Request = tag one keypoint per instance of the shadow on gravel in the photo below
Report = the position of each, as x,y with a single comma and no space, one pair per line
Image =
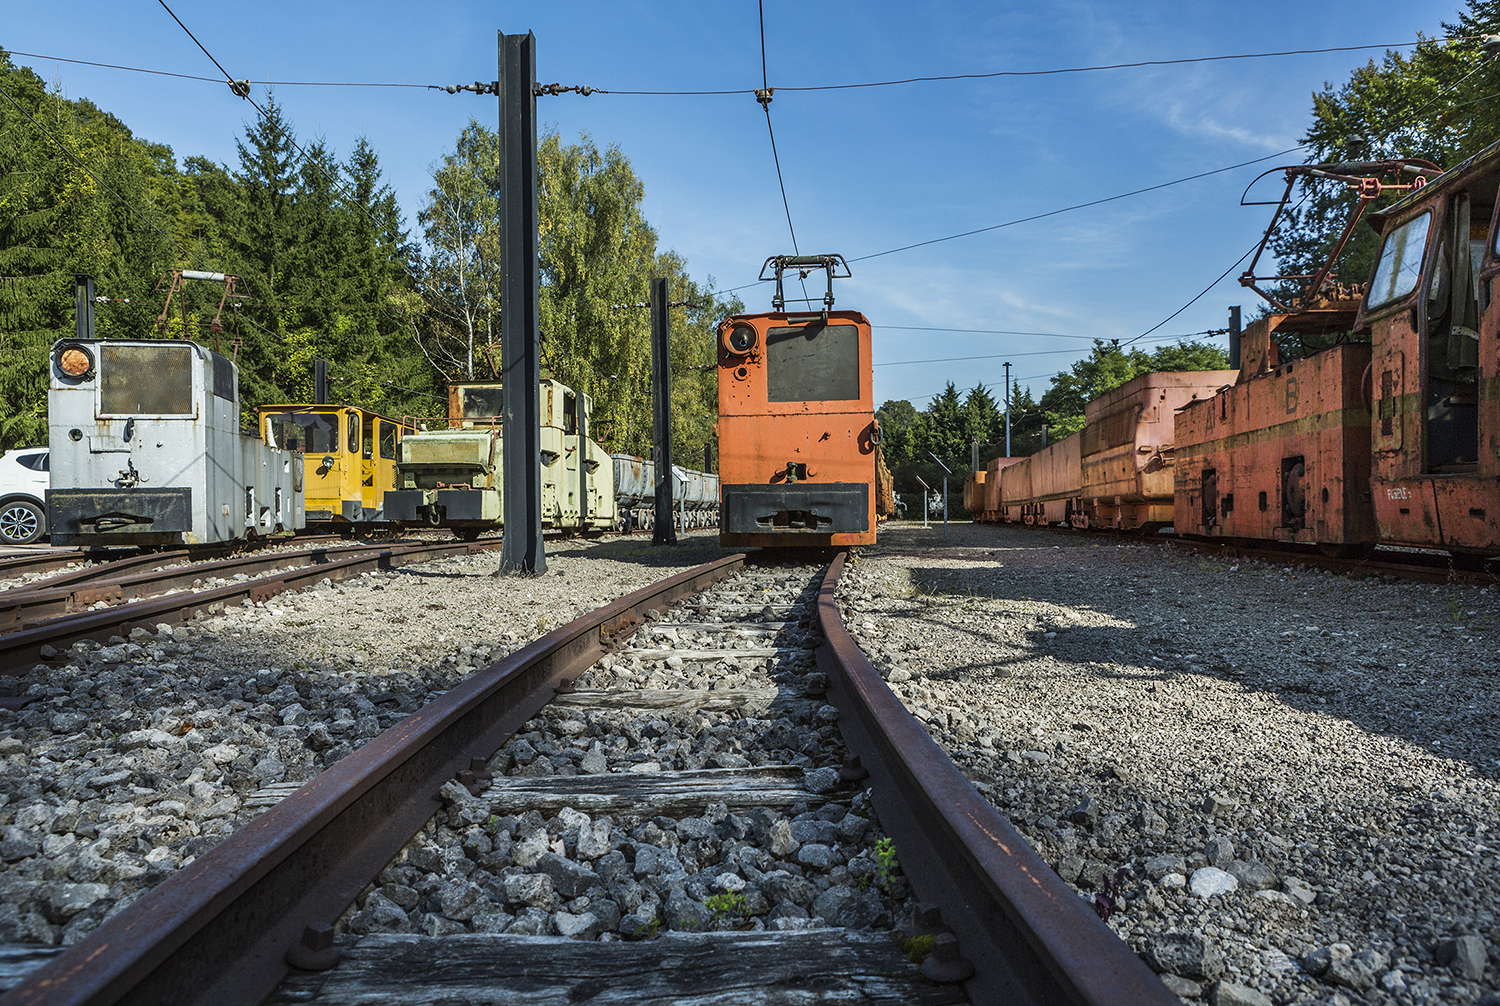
1262,635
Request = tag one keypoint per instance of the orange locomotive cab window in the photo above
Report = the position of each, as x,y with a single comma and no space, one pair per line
817,362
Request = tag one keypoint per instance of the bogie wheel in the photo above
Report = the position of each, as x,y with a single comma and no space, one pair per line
21,522
468,533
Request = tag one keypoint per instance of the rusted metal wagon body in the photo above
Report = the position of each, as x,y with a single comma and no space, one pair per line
797,433
1284,454
992,474
1435,373
974,493
1127,449
1056,483
1015,492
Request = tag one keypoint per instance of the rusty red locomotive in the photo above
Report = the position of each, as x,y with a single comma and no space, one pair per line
1357,415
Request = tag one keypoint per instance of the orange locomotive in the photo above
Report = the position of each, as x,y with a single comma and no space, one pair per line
1390,436
798,441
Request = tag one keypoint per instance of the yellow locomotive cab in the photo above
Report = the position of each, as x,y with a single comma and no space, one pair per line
348,458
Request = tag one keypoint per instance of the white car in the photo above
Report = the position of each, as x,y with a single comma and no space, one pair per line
23,495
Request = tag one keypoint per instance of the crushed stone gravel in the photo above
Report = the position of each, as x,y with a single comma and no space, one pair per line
1288,777
140,755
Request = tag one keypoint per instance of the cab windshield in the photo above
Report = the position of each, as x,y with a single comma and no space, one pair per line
309,432
1400,261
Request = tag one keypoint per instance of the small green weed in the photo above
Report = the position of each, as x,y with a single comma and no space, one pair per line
887,863
725,904
917,948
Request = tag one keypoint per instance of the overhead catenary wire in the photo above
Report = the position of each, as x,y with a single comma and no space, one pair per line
764,97
244,92
741,90
1039,73
1039,352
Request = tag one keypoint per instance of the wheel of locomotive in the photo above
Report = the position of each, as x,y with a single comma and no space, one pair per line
468,533
21,522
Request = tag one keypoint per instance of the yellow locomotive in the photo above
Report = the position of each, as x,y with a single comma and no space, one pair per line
349,457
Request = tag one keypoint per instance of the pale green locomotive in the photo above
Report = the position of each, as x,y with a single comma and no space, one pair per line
452,477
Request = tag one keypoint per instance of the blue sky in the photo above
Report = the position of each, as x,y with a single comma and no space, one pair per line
866,170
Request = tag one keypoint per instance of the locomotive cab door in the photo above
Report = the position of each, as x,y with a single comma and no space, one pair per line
1450,340
1434,382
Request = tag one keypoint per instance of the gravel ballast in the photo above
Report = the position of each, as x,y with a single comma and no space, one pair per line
140,755
1280,783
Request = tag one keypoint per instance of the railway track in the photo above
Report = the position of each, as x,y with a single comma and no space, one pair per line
104,563
717,655
92,603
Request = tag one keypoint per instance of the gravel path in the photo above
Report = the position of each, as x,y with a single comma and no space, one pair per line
1281,782
143,754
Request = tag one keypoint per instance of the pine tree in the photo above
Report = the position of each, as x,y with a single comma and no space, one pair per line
262,245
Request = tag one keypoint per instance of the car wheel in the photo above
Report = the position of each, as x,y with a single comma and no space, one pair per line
21,522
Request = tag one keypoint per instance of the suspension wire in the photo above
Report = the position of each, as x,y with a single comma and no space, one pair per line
1308,193
812,87
764,97
97,180
1079,206
996,331
1196,297
1049,72
195,40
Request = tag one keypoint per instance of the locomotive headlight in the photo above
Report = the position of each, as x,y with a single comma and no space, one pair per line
75,361
740,340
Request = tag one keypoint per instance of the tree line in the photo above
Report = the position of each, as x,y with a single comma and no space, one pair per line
328,268
953,423
1436,103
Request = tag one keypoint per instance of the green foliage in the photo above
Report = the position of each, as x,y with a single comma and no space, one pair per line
597,255
886,863
897,439
952,422
1106,368
917,948
58,220
1434,103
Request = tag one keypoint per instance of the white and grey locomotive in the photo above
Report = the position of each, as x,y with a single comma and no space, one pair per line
147,450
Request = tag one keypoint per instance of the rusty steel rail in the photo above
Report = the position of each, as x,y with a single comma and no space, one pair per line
20,649
1032,940
67,593
218,931
104,565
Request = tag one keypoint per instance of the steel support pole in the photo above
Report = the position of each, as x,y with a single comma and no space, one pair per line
1007,410
320,382
1234,337
83,315
661,408
581,427
945,508
521,551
